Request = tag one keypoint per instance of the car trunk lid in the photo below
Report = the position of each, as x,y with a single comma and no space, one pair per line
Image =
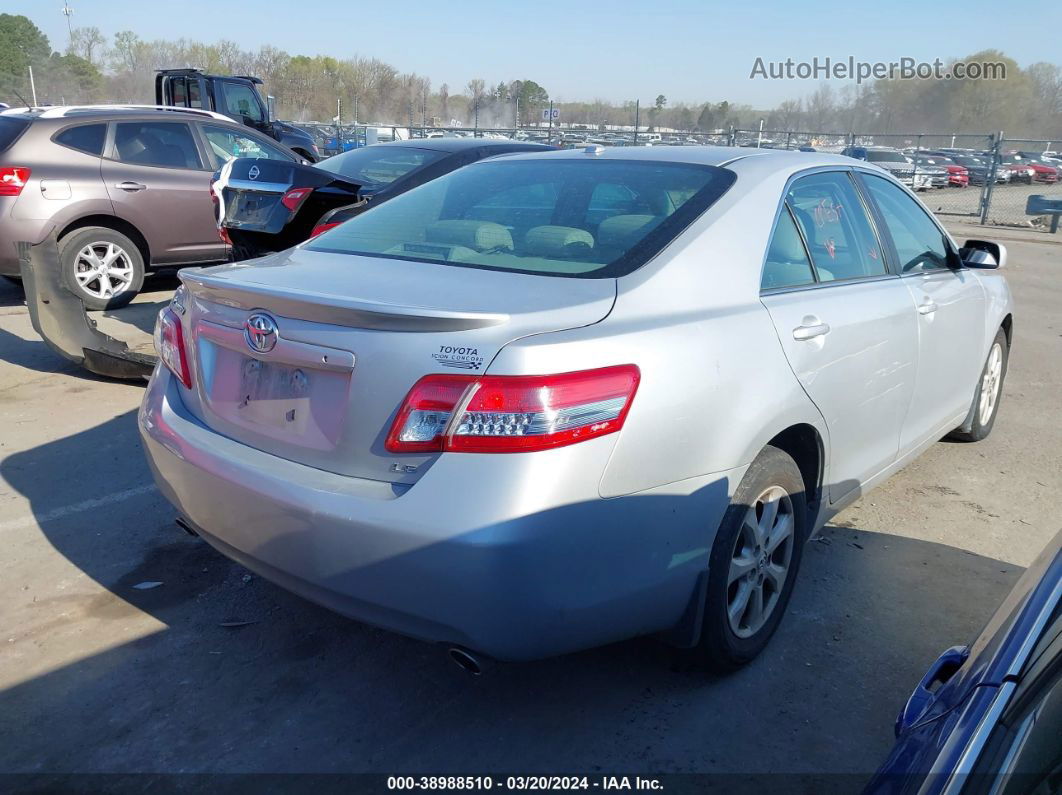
257,216
353,334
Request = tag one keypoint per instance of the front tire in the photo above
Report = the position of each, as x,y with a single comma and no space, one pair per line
988,392
102,267
754,562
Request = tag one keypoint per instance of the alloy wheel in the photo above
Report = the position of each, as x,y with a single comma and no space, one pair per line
760,561
990,383
103,270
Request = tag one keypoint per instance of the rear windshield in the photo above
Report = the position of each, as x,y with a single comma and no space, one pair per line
377,166
876,156
552,216
10,129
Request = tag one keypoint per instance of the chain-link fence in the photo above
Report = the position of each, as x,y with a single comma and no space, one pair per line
993,180
1027,191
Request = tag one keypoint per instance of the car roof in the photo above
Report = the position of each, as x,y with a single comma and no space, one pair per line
459,144
694,155
110,111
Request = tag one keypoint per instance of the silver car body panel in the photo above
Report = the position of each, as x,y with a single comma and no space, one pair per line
528,554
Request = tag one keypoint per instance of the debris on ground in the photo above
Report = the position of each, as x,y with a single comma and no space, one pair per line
147,586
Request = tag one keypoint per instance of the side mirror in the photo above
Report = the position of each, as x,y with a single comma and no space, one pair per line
983,254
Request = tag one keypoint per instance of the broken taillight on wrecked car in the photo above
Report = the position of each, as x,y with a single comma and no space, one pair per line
169,343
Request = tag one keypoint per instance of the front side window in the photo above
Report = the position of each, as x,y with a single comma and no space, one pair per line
918,241
836,227
241,101
532,216
787,263
156,143
226,144
87,138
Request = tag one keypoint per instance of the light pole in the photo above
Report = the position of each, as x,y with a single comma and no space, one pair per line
68,12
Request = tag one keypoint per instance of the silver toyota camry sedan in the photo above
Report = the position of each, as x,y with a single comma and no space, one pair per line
554,400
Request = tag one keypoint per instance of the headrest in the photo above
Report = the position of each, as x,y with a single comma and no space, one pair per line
558,242
625,230
476,235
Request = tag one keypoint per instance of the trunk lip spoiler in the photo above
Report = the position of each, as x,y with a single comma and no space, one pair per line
333,309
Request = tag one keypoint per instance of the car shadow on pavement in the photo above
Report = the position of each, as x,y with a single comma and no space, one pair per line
218,670
11,294
34,354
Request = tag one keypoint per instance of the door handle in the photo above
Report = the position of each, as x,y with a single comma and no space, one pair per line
132,187
927,307
810,332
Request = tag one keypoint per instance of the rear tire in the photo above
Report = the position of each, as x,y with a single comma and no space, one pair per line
102,267
753,563
988,392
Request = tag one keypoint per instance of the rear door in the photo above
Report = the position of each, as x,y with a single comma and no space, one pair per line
159,182
846,323
950,306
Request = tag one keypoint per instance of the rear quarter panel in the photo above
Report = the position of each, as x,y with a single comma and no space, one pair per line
64,184
715,384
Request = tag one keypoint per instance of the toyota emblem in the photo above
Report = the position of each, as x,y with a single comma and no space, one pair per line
253,172
261,332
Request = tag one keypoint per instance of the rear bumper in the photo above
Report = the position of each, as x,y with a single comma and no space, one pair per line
474,554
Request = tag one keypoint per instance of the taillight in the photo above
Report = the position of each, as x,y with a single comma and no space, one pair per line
13,179
169,343
294,197
511,414
323,228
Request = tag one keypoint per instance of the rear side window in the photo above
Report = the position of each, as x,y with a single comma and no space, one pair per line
10,129
787,263
836,227
87,138
155,143
534,216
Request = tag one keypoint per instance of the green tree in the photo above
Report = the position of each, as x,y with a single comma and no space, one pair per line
67,79
21,45
533,98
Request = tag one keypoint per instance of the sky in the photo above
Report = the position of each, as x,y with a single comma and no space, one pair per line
614,50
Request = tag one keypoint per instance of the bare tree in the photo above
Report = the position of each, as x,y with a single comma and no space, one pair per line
87,43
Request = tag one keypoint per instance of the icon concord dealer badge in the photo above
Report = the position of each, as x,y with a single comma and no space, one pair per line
253,172
261,333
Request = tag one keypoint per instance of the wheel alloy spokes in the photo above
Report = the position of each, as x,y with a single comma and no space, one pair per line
990,384
106,266
760,561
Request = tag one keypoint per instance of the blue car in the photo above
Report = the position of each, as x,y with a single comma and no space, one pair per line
987,718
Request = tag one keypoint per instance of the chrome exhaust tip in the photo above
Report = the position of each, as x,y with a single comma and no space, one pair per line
467,661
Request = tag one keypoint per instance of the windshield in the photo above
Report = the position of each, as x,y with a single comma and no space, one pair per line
876,156
968,161
555,216
378,165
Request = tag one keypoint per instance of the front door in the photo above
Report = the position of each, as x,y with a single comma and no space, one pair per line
950,304
157,181
846,324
